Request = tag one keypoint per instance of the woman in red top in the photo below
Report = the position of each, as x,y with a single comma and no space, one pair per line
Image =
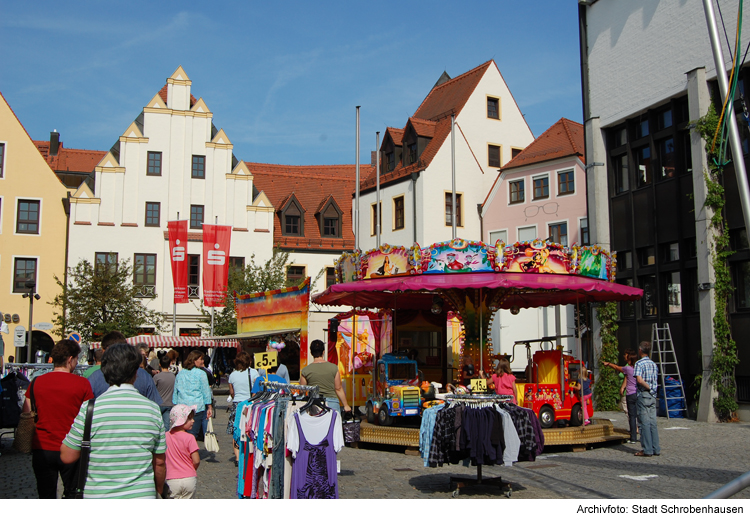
504,380
58,395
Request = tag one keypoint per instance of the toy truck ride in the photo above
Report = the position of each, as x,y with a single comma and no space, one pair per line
397,392
551,375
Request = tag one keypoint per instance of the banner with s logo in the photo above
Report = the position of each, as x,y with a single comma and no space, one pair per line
216,240
178,258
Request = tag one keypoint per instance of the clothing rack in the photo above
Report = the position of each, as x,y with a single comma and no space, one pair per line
312,391
460,481
16,366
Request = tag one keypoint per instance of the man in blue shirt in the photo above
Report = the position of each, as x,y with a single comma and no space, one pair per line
646,377
144,383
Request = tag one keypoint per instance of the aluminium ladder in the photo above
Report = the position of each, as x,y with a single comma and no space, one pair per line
663,354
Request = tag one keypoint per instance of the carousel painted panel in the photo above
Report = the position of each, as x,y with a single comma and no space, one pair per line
386,261
537,256
348,268
593,262
457,256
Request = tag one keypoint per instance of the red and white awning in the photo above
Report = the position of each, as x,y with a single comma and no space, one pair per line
168,341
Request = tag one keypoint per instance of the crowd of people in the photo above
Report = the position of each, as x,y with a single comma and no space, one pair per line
148,416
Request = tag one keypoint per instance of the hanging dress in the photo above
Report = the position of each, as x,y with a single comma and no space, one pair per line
314,473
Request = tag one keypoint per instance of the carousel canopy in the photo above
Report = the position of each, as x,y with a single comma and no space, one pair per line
522,289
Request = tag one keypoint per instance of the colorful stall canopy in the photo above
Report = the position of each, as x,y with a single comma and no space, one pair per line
523,290
159,341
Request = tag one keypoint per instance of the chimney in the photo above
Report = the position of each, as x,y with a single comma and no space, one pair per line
373,157
54,142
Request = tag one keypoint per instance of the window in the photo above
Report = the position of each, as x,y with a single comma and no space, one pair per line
23,269
565,183
624,261
199,167
449,209
389,162
641,127
196,216
493,156
330,276
516,191
493,108
515,151
622,178
294,274
742,283
398,213
643,164
497,236
153,214
2,159
541,187
664,120
412,153
559,233
194,275
237,263
526,234
666,158
292,219
620,136
28,217
144,274
331,222
627,309
671,252
584,238
673,294
105,263
648,302
190,332
646,256
154,164
373,224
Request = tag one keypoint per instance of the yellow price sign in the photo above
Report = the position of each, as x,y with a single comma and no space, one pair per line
479,385
266,360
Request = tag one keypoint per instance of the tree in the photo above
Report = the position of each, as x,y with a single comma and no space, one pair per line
607,387
101,299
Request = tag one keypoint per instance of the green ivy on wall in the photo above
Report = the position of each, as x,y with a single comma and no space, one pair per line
724,360
607,386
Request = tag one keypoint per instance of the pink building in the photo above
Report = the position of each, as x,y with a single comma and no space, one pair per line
541,192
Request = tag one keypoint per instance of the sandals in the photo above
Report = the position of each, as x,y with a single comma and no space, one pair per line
641,453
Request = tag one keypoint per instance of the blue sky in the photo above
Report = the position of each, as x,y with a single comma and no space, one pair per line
281,78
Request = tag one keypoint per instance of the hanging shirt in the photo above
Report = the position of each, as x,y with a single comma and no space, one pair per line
512,443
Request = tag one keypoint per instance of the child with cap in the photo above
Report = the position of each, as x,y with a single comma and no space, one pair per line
182,453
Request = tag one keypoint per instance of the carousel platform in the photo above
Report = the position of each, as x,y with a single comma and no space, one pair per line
599,431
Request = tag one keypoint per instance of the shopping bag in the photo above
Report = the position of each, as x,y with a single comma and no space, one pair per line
351,430
209,440
25,433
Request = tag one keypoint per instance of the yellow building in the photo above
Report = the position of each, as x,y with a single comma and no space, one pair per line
33,225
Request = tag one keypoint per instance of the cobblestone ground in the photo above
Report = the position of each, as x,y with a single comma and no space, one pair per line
697,458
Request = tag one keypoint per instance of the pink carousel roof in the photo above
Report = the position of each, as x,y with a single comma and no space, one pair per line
523,290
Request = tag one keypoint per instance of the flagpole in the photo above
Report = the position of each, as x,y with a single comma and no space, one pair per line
174,304
356,189
377,190
216,222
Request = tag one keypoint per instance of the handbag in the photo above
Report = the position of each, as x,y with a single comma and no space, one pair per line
83,464
22,441
209,439
351,430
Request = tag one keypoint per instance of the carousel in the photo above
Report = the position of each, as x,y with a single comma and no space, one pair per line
471,281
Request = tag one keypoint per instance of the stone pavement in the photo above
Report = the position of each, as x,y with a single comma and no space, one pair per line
697,458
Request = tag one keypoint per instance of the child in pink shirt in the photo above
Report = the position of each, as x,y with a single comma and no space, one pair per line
504,380
182,453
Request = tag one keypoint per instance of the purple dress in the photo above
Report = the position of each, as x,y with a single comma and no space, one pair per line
314,471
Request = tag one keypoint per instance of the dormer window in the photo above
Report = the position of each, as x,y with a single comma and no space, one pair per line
330,218
413,153
292,218
389,162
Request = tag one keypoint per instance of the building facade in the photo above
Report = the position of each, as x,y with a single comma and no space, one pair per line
648,71
170,163
33,224
540,193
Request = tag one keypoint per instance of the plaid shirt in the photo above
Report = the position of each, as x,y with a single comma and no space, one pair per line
646,369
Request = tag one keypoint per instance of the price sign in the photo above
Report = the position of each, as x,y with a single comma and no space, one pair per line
479,385
266,360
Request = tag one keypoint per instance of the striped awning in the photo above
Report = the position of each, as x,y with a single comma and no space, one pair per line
168,341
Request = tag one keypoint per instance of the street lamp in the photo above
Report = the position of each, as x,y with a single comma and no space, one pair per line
31,295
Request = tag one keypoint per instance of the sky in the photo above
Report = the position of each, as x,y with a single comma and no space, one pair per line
282,78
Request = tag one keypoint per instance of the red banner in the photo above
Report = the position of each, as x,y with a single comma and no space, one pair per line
216,240
178,258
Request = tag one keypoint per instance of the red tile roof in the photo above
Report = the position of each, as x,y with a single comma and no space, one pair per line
562,139
311,186
163,95
397,134
70,159
432,119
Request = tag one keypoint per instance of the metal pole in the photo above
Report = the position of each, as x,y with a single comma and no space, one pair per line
731,488
481,326
30,352
356,188
453,175
174,304
216,222
734,137
377,189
